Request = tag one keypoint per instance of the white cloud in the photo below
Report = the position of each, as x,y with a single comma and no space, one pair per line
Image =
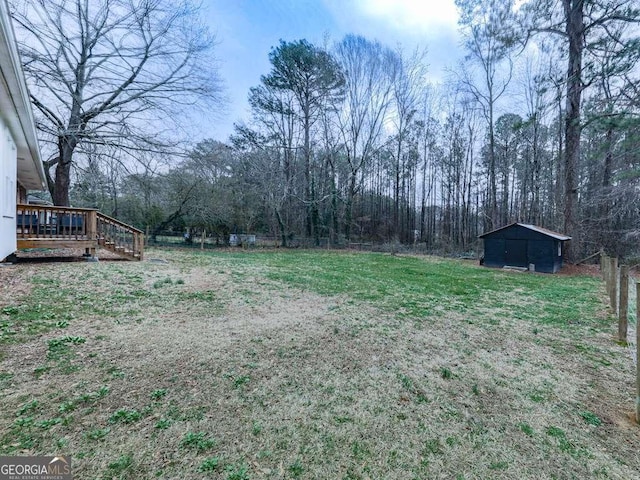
407,23
412,16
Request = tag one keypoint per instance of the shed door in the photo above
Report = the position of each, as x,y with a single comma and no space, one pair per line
516,253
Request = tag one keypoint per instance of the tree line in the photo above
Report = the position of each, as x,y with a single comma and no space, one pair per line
349,141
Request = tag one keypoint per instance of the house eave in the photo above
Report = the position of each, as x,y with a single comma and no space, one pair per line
15,107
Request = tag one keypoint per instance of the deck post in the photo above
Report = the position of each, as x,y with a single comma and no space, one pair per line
92,231
136,242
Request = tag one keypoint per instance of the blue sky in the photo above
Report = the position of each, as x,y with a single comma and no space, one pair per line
247,29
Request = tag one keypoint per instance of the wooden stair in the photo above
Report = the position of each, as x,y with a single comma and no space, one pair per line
119,238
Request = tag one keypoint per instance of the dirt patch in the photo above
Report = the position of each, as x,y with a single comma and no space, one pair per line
14,284
42,255
569,269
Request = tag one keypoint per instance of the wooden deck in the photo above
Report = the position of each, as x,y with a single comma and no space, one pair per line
41,226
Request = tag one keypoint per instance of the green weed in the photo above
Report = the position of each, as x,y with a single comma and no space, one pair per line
197,441
237,472
119,468
47,424
209,465
5,379
158,394
433,447
31,406
406,381
241,380
93,396
526,429
256,428
125,416
162,283
296,469
498,465
163,424
591,418
59,347
115,372
97,433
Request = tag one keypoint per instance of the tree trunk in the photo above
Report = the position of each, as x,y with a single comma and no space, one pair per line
334,206
351,193
307,172
575,32
283,235
62,182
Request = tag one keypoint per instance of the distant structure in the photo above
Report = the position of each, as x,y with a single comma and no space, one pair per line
524,246
238,240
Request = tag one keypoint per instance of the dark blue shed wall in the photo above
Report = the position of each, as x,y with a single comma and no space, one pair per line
494,253
505,247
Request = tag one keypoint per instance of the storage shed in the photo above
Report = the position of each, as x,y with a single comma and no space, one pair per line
522,245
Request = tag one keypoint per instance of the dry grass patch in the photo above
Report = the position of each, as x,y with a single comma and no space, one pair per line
313,365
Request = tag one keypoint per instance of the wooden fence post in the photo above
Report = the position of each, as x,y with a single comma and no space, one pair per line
624,303
638,352
613,284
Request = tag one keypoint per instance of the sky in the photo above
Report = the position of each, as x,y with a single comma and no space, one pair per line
246,30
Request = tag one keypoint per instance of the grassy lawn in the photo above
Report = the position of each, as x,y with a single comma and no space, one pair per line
318,365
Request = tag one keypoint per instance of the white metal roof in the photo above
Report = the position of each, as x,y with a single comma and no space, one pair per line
556,235
544,231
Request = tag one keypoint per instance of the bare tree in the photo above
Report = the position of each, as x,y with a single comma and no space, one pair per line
271,146
369,70
489,40
98,68
408,90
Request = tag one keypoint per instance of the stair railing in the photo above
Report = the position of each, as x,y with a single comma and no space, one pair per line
119,237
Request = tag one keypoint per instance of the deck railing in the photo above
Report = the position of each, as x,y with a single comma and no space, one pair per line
52,226
35,222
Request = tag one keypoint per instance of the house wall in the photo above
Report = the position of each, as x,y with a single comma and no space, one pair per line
8,182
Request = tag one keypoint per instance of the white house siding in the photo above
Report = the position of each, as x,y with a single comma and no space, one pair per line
20,165
8,172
